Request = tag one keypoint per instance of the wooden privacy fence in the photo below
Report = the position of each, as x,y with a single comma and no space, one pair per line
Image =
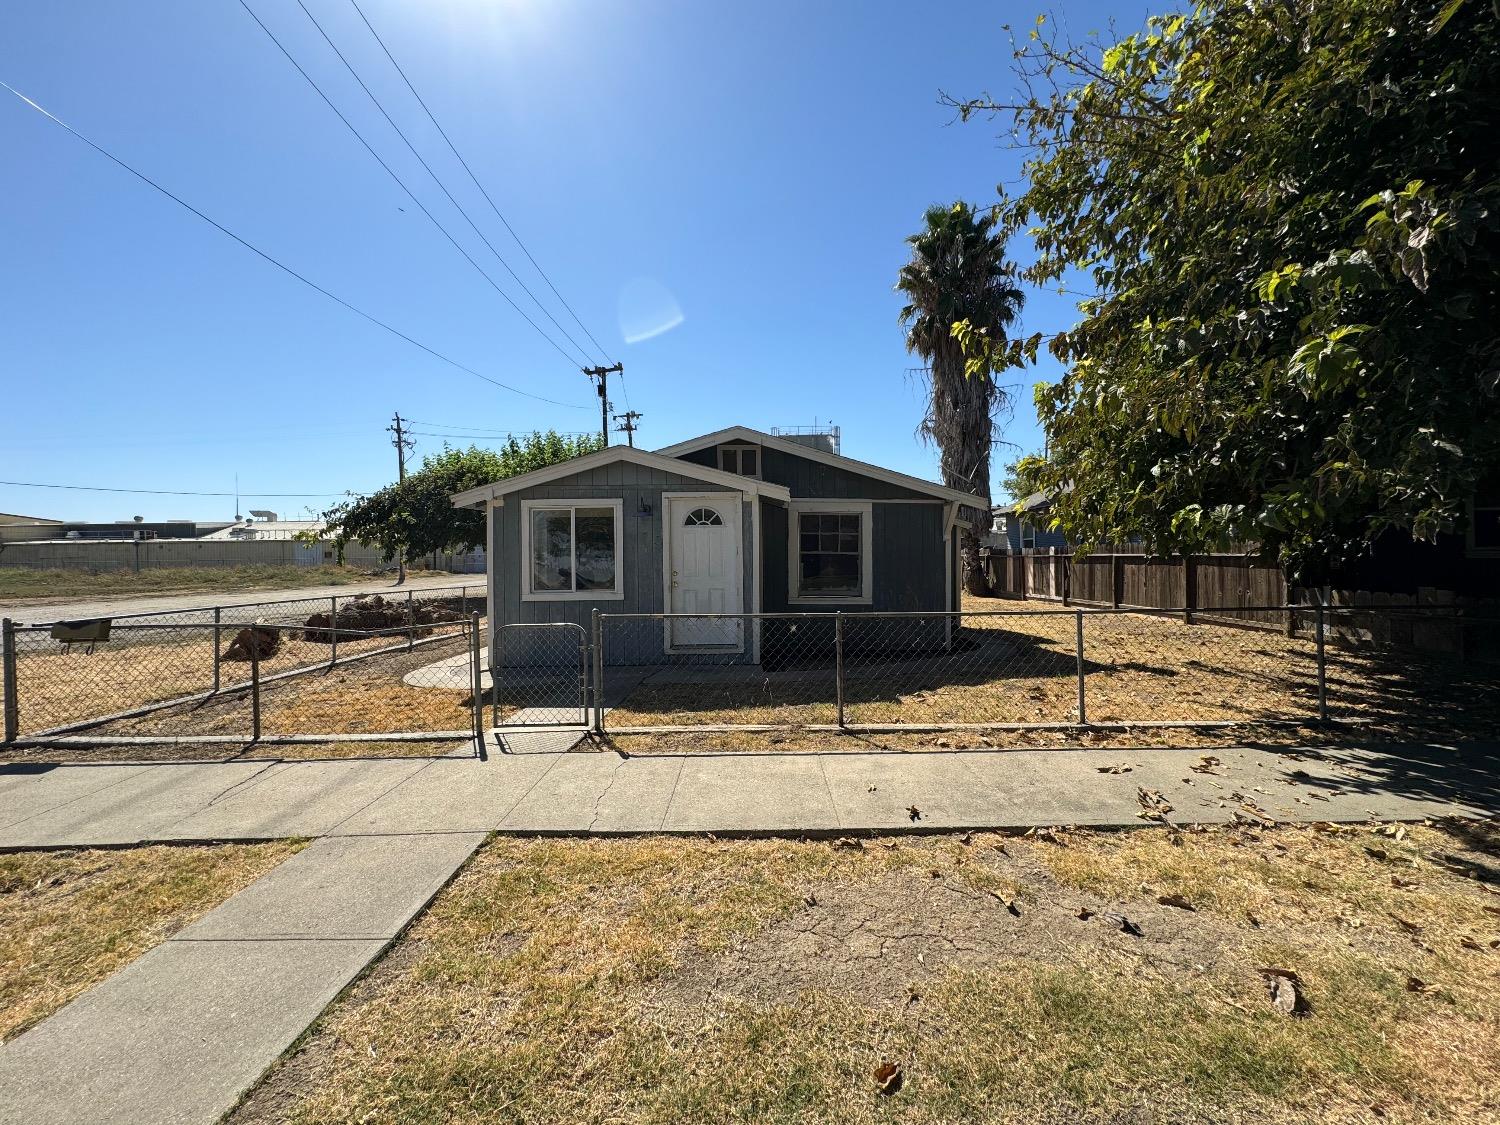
1211,586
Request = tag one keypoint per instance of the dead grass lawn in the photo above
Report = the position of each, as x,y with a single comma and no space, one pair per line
672,980
1138,668
69,919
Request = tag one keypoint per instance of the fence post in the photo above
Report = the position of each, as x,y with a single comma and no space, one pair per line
333,625
10,680
477,684
495,657
1189,588
1116,578
254,688
1322,669
838,665
598,639
411,623
218,643
1083,714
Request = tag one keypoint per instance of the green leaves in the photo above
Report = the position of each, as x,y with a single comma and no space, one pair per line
415,518
1289,215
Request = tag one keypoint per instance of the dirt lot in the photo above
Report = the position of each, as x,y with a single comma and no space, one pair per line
69,919
1059,977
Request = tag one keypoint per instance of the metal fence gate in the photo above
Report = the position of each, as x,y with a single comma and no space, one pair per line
540,675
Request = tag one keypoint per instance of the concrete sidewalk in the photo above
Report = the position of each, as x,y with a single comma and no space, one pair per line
181,1033
82,805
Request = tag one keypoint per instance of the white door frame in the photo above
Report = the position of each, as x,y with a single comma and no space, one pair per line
668,524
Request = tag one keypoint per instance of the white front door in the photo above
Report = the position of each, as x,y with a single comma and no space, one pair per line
704,572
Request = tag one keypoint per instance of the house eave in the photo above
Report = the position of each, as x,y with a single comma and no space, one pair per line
487,494
838,460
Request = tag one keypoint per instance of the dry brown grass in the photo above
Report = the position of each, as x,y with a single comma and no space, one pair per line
669,980
70,919
1138,668
139,667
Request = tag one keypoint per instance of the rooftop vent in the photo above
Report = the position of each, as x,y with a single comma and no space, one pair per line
825,437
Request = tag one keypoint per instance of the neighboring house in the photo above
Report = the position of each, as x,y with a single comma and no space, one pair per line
1022,526
736,521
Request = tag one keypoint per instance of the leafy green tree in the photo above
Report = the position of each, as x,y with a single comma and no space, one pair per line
1023,476
415,517
1289,215
959,272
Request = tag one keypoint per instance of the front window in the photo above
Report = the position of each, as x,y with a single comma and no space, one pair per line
830,554
571,549
1028,534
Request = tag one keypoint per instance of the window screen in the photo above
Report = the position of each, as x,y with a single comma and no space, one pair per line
829,554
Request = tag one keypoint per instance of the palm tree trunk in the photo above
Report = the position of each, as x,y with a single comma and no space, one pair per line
961,422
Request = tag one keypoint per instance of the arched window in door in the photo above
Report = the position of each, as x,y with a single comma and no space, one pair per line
703,517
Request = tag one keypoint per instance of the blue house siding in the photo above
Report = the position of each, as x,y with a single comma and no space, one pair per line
638,554
806,477
906,568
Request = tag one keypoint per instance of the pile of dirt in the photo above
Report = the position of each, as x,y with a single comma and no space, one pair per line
254,643
373,612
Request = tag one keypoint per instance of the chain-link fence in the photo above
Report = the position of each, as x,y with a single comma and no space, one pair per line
417,667
1042,667
356,667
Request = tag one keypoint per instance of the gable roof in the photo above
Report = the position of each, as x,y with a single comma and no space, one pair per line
796,449
475,497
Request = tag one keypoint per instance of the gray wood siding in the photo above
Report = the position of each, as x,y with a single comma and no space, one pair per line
639,551
907,570
806,477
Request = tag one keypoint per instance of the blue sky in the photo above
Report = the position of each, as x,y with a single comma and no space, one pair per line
754,167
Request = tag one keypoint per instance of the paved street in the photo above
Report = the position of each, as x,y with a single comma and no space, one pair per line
76,609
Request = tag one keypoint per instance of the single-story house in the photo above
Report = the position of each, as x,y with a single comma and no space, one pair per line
1023,526
733,522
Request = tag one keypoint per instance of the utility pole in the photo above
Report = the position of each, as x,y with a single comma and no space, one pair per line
630,424
402,444
603,374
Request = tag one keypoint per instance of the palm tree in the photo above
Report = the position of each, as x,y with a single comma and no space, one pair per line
958,271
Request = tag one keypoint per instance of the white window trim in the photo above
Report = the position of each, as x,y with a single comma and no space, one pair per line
863,508
614,595
740,446
1471,549
1027,531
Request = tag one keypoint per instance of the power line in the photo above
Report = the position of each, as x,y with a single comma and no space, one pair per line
459,156
402,185
172,492
497,437
278,264
436,179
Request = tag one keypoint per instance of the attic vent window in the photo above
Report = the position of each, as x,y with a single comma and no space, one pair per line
703,517
743,460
